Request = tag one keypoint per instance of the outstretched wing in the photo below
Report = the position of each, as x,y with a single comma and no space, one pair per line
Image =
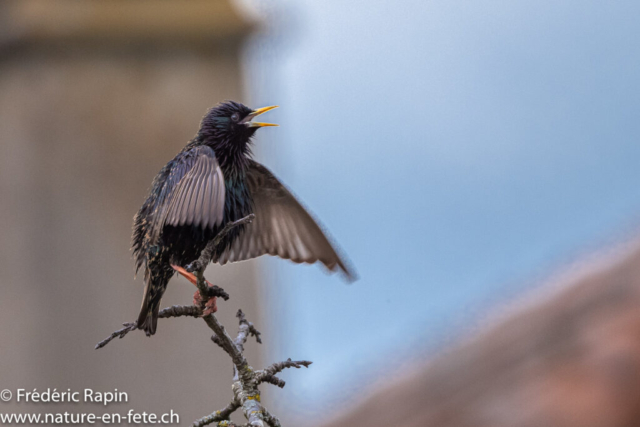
194,193
281,227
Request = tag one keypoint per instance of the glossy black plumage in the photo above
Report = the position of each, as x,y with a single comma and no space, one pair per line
210,182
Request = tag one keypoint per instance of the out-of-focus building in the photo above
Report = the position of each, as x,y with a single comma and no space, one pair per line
95,97
570,359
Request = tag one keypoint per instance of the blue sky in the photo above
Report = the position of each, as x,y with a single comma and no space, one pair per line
458,152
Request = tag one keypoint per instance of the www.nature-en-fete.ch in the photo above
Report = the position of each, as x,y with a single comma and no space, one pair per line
87,396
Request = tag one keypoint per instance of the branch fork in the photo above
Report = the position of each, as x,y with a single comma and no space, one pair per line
246,395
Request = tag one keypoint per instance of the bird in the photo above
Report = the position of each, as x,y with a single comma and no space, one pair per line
210,183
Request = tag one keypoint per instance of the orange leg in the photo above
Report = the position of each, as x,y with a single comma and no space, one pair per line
210,306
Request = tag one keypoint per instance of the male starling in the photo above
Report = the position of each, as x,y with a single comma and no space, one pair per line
211,182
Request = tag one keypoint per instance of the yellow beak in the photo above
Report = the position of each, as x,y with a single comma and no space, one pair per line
256,113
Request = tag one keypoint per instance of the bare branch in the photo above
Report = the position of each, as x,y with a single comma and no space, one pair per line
206,256
218,416
273,380
245,386
173,311
268,374
246,381
216,340
179,311
120,333
215,291
225,341
246,329
270,419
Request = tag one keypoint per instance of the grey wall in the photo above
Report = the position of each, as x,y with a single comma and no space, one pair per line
85,124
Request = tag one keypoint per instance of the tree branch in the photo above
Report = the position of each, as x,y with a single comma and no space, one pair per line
268,374
218,416
246,380
246,329
207,255
173,311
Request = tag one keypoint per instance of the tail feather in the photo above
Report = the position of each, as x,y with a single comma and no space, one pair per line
153,291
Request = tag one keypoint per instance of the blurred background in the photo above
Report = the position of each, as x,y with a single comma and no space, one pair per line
461,154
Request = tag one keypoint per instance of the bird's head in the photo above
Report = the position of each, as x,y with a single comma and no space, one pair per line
229,126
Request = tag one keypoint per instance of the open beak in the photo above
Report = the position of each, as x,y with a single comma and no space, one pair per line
247,120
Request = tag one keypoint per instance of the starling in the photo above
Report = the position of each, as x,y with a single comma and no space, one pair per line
211,182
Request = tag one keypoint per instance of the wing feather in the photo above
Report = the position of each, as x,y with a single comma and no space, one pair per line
282,227
200,183
198,196
206,201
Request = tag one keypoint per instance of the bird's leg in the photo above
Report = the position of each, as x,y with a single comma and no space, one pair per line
205,296
206,303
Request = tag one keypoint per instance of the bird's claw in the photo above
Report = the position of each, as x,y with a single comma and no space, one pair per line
208,305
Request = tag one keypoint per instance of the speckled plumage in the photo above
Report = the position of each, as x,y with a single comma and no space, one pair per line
208,183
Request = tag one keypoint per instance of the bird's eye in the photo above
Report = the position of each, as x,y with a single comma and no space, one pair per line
235,117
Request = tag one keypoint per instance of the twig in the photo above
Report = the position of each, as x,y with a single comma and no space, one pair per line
120,333
225,341
206,256
217,416
215,291
246,329
268,374
173,311
276,381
